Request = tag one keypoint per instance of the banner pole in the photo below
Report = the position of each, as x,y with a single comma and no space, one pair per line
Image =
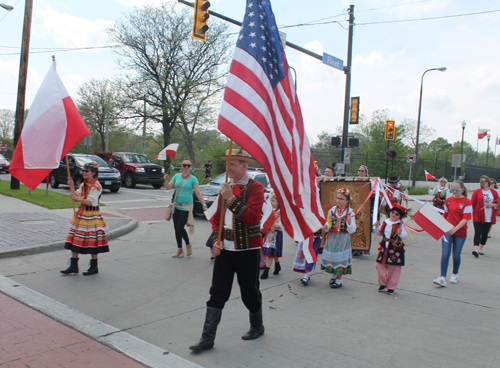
72,186
223,204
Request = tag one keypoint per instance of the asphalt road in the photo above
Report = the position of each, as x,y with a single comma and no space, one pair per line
141,290
142,196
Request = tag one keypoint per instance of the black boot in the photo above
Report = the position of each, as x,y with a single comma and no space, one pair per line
212,320
93,268
256,326
73,267
265,274
277,268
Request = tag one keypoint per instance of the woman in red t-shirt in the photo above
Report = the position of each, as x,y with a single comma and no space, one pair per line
457,211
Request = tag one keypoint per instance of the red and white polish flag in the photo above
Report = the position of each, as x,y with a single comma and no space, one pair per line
53,127
431,221
170,151
429,176
481,133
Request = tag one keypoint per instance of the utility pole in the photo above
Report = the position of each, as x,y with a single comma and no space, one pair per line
347,71
144,129
23,76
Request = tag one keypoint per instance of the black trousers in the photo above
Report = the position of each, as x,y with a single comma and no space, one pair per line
245,264
481,232
180,218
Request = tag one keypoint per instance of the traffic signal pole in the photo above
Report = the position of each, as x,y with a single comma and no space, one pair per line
347,71
238,23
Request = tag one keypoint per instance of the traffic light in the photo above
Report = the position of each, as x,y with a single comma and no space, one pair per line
354,110
392,154
390,130
336,141
353,142
200,19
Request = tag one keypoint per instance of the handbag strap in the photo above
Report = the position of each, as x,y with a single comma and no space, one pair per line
178,190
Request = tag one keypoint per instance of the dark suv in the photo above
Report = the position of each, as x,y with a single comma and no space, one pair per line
137,168
109,177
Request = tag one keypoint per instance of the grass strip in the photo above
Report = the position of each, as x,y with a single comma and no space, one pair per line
52,200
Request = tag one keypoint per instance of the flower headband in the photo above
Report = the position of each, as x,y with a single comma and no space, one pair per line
93,165
344,191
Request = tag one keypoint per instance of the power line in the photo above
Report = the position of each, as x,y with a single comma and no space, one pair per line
390,6
430,18
49,50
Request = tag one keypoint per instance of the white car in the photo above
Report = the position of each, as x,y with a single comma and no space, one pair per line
211,191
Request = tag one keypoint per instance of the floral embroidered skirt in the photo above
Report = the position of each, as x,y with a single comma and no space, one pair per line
337,254
273,245
299,263
87,234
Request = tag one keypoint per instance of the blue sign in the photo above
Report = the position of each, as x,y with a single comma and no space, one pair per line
333,61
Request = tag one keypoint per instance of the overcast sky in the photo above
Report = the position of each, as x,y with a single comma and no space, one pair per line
388,58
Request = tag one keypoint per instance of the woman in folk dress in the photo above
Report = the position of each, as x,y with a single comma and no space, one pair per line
337,254
87,234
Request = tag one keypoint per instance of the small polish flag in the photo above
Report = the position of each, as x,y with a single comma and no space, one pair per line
497,141
431,221
429,176
170,151
481,133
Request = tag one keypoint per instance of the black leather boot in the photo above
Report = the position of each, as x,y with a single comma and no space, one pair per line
73,267
277,268
93,268
256,326
212,320
265,274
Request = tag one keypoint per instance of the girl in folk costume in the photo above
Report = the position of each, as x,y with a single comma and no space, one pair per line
300,263
87,233
273,241
340,224
440,193
391,256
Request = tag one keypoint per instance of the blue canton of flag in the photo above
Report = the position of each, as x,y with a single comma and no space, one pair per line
259,37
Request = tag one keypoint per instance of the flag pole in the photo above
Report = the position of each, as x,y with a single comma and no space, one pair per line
477,148
223,205
71,186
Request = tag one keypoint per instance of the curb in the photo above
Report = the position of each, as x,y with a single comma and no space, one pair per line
59,245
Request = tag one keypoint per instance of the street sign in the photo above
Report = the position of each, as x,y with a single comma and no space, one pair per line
347,155
333,61
411,158
3,147
456,160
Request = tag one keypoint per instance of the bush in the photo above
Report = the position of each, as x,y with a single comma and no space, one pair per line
418,191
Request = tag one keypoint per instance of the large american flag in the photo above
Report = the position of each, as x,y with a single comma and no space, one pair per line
261,113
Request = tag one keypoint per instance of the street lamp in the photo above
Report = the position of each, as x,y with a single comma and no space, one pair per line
442,69
462,147
7,7
488,148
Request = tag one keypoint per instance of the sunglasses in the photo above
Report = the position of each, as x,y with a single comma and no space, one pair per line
455,190
186,165
361,171
86,170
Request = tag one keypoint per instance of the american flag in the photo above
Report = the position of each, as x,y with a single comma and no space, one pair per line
261,113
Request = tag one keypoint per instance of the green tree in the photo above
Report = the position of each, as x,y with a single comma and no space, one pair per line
177,76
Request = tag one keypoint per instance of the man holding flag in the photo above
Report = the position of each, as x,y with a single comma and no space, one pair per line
261,113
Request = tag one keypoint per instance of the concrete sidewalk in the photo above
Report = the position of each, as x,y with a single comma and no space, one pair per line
28,338
29,229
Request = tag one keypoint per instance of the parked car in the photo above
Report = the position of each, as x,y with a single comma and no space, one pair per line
136,168
211,190
109,177
4,164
